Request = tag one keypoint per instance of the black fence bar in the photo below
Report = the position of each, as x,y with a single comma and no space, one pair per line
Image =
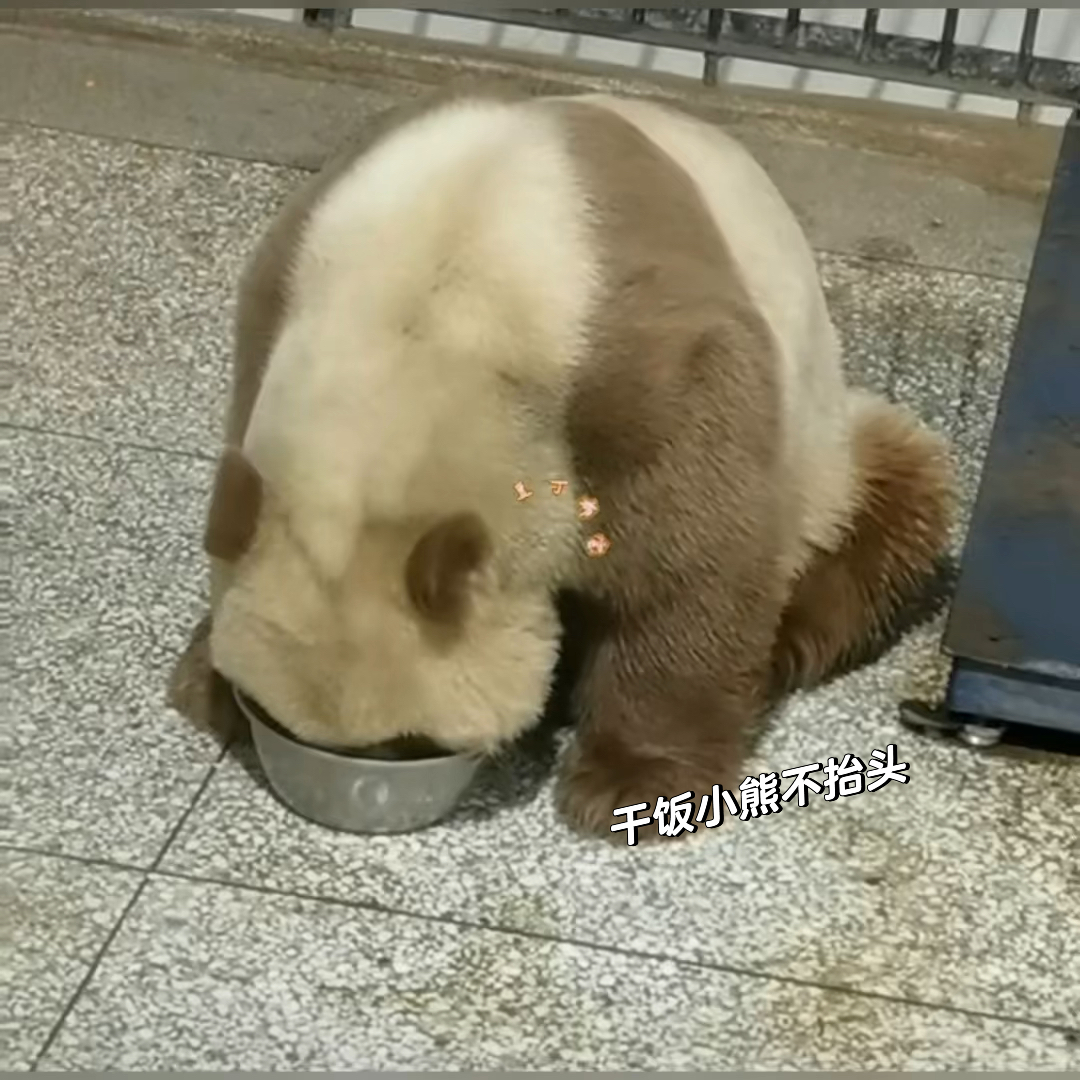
713,28
869,33
940,64
943,60
328,18
791,27
1025,57
975,69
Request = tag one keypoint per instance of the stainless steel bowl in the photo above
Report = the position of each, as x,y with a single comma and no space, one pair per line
352,792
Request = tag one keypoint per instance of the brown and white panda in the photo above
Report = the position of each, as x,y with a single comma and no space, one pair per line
593,290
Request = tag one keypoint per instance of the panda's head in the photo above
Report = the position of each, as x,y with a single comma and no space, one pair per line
416,637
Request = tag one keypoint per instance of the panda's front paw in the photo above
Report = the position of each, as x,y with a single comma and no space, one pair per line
598,781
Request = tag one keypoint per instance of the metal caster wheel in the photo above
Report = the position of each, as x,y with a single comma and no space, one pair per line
919,717
982,736
938,724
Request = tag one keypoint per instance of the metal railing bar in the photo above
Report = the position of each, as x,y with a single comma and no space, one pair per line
1025,57
327,18
999,86
943,59
869,33
1025,60
713,28
791,27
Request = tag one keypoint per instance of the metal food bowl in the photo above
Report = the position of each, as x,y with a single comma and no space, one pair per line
376,791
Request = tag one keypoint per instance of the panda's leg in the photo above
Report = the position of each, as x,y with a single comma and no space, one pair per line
676,675
888,569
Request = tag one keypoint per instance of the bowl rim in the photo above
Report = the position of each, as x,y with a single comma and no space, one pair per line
252,710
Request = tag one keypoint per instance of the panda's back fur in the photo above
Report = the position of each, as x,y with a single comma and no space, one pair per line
440,301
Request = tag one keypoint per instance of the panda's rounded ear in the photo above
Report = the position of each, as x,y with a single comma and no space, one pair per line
439,570
234,507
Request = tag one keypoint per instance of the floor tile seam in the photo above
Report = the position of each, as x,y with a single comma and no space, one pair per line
147,144
930,267
107,441
934,267
104,861
110,937
101,862
88,977
194,877
188,810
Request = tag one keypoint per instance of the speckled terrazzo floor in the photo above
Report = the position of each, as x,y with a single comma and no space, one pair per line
162,910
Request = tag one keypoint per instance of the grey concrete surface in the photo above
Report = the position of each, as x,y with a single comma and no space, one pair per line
62,913
916,891
106,573
164,911
122,306
202,976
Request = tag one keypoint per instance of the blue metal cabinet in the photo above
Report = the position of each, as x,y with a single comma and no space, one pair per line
1014,627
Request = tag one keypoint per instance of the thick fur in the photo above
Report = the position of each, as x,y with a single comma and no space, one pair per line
851,599
589,290
421,369
677,423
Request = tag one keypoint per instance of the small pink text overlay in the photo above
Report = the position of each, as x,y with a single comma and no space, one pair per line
762,795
